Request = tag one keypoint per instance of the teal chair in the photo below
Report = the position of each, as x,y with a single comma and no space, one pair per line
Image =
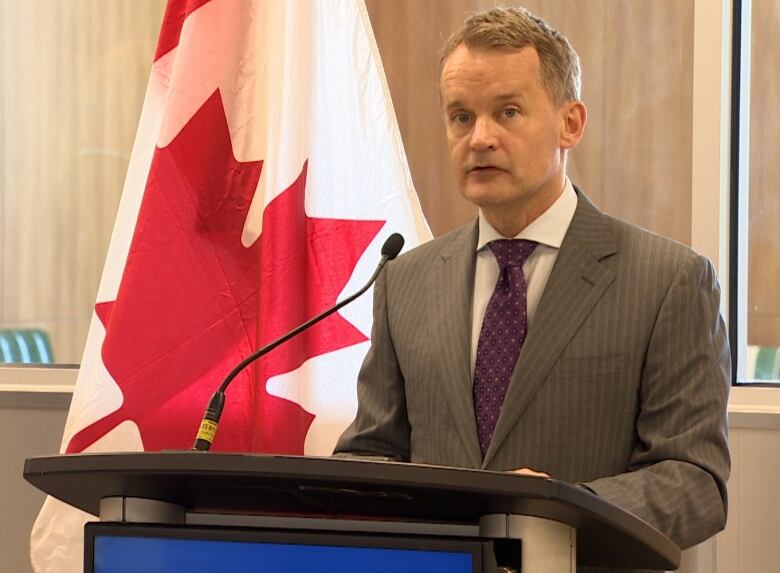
767,363
25,346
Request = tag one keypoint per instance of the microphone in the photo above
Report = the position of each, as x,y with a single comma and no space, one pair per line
208,425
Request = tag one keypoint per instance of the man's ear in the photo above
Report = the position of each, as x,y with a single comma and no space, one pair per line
574,116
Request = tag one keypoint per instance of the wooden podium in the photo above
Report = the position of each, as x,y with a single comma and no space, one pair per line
537,525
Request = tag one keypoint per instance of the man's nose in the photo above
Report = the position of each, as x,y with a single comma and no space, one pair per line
484,136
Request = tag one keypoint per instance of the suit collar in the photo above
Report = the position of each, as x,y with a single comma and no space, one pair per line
591,230
578,280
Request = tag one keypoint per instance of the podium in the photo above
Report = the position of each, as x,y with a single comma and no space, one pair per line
396,510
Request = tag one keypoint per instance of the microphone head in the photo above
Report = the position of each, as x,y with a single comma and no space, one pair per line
392,246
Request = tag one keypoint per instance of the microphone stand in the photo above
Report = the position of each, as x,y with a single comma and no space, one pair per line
208,425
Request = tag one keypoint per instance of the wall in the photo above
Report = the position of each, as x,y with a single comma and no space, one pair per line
73,80
637,59
31,424
749,543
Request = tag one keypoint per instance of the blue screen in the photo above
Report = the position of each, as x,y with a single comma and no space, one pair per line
150,555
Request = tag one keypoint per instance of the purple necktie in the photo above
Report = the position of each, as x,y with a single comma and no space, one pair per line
501,338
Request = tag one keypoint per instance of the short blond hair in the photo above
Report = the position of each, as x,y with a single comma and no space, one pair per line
516,28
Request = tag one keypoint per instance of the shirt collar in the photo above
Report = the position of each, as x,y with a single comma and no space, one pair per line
549,228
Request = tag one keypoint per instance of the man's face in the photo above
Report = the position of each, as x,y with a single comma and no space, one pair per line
503,130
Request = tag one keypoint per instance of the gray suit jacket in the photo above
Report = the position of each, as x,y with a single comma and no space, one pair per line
622,383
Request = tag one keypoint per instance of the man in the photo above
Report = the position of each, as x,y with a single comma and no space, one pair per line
624,373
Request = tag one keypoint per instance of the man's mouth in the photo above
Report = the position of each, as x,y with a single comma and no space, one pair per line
484,169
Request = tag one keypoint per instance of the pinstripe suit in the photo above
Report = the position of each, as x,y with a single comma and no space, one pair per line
622,383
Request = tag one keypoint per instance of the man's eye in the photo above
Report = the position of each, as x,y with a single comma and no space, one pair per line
461,118
511,112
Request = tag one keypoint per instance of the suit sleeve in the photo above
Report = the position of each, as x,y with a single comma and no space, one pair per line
678,470
381,428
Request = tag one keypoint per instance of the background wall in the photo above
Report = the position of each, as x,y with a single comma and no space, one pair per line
31,424
749,543
73,79
635,158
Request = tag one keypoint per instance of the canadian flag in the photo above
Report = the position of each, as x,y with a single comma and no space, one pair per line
266,173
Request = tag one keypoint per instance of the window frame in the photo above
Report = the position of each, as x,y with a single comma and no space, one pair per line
739,195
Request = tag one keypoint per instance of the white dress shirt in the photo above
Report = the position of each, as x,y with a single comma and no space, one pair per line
548,230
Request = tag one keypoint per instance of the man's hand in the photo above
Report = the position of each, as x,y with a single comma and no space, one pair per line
531,472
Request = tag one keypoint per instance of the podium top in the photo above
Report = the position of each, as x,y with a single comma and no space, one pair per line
352,488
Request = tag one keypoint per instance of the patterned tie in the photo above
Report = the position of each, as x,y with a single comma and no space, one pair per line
501,338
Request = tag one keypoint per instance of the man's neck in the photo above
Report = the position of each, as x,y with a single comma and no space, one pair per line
510,221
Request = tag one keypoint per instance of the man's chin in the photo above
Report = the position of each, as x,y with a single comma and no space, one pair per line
484,195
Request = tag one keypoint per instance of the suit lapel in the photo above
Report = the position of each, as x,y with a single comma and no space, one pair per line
578,280
451,303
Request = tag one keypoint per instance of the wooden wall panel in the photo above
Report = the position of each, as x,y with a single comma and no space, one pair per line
637,65
764,209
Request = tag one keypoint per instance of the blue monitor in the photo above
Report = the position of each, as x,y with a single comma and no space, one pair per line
111,548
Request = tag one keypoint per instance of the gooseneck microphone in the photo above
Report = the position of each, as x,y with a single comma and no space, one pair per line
208,426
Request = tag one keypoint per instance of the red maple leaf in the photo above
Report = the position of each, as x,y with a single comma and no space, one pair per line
193,301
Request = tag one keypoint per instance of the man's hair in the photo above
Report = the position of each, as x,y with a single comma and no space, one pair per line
515,28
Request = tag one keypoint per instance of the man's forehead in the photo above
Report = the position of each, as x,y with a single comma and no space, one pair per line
507,73
483,56
470,63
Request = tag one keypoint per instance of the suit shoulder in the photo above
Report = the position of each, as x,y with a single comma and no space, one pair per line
651,246
410,271
424,254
